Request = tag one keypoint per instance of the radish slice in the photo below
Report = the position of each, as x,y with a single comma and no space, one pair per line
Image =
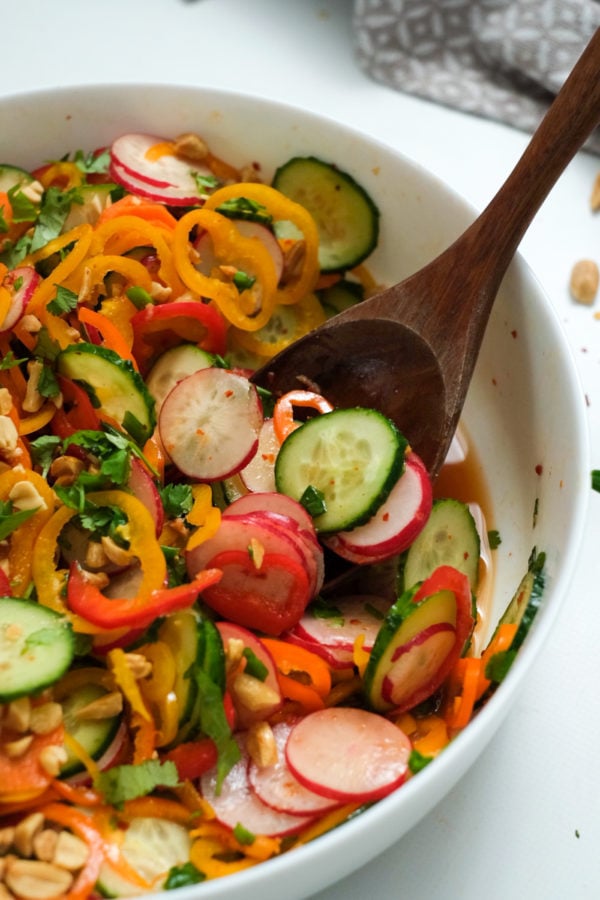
396,523
141,484
21,283
348,754
237,804
109,758
231,632
333,637
132,154
173,196
209,424
280,789
271,501
259,474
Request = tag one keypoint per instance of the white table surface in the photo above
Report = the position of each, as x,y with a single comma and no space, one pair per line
525,821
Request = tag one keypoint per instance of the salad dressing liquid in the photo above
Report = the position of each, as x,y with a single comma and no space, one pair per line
462,477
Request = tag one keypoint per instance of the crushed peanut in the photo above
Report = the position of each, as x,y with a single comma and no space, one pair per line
261,744
5,401
26,831
105,707
595,195
32,879
585,277
45,717
51,759
24,495
191,146
33,400
252,693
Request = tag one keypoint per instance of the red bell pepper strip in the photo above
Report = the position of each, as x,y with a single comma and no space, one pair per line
76,413
86,600
193,758
157,328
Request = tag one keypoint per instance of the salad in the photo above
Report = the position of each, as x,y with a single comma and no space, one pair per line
229,621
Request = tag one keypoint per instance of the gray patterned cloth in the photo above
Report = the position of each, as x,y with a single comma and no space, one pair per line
501,59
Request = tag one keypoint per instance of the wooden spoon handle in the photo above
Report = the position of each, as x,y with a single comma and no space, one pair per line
568,123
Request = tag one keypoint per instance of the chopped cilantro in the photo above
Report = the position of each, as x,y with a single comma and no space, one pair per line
182,876
244,208
499,664
417,761
243,281
64,302
121,783
42,451
205,183
3,223
242,835
177,500
47,384
45,346
11,520
8,361
55,208
92,163
23,209
176,566
254,666
596,479
494,539
138,296
313,501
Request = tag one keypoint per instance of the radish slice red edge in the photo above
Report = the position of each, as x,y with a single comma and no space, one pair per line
237,804
276,785
21,283
347,754
396,523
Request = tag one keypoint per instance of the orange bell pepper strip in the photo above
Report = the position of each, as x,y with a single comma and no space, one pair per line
23,776
292,661
130,205
249,308
283,412
122,233
61,174
501,641
111,337
461,694
285,210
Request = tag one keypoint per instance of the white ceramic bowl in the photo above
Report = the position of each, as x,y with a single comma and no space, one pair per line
524,413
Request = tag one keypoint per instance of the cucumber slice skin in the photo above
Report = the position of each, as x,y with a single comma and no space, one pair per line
450,538
36,657
353,488
113,384
346,216
13,176
94,735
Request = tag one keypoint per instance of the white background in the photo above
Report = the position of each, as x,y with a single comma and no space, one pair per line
525,821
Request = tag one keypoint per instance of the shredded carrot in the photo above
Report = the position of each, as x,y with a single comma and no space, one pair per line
156,808
129,205
502,639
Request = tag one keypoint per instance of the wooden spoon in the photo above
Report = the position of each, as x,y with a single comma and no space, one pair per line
410,350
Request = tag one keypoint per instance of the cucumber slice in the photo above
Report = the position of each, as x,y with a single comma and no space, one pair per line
13,176
152,847
450,538
113,386
352,456
94,735
173,365
411,651
180,632
346,217
341,296
95,198
36,647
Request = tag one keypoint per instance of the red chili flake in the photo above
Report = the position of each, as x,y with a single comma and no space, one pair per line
539,469
229,393
386,517
494,382
514,333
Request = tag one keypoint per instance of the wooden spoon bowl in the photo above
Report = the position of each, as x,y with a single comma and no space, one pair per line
410,350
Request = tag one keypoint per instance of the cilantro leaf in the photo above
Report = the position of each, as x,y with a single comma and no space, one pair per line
596,479
42,451
181,876
3,223
417,761
245,208
64,302
47,384
92,163
9,361
242,835
313,501
11,520
126,782
177,500
23,209
45,346
56,205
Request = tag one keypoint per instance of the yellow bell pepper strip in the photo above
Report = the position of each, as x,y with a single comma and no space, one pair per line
123,233
249,308
428,734
36,421
24,538
205,517
120,311
157,690
126,682
61,174
80,237
93,270
284,210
